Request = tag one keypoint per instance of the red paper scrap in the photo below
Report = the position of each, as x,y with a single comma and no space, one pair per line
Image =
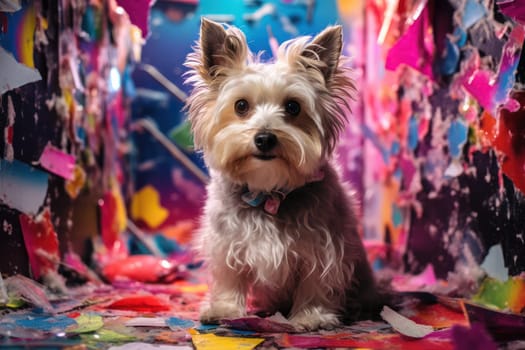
142,268
140,303
41,243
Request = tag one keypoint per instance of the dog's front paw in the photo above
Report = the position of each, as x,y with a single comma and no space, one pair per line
311,319
221,310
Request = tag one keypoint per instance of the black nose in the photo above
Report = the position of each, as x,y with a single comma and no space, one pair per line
265,141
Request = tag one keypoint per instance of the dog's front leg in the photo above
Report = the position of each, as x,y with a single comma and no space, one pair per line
227,296
314,307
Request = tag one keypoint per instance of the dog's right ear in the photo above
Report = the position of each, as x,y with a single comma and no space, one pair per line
221,48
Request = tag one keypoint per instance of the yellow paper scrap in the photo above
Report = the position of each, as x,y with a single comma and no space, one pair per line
214,342
74,186
146,206
121,215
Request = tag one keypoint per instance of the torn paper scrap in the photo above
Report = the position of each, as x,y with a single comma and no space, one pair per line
513,9
58,162
415,47
146,206
87,323
22,187
146,322
404,325
10,5
14,74
176,323
138,12
275,324
41,241
19,286
146,346
213,342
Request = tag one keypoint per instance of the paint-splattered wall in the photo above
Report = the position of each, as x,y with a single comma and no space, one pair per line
444,139
63,170
435,147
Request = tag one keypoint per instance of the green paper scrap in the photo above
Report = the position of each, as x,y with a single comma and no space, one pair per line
15,303
87,323
182,136
494,293
107,336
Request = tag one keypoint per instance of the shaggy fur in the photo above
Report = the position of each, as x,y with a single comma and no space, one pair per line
306,259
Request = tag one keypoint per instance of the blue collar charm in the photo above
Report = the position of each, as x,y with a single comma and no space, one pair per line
272,200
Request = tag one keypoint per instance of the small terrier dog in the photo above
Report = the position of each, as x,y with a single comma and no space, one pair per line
278,224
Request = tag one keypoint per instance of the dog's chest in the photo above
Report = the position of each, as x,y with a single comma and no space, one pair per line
270,250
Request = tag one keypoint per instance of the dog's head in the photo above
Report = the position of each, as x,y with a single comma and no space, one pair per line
267,125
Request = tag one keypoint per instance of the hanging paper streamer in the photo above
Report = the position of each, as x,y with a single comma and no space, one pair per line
22,187
41,243
488,88
514,9
14,74
415,47
113,216
477,81
508,65
138,12
58,162
457,137
472,12
511,141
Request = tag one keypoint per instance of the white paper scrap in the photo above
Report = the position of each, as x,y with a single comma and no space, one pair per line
404,325
10,5
146,346
13,73
146,322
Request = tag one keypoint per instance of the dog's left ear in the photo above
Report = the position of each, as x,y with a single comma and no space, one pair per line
326,48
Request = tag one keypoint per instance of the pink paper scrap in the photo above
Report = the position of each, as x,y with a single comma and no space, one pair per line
272,324
58,162
415,47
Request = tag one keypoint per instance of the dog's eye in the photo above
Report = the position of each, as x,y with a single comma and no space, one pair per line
241,107
292,107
